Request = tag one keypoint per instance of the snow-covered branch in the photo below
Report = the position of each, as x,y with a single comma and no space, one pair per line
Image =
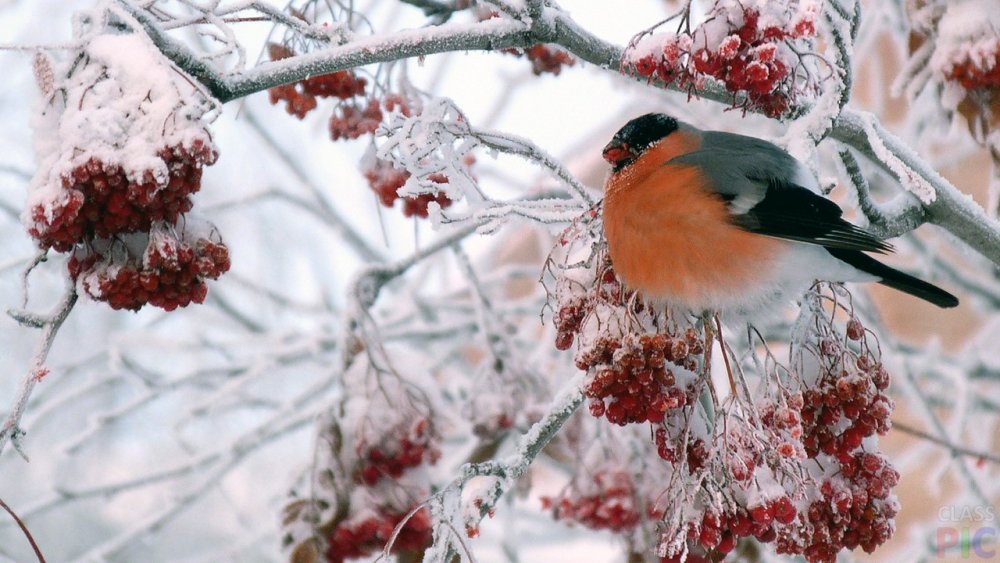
11,431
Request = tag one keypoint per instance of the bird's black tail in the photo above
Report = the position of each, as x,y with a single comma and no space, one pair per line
895,279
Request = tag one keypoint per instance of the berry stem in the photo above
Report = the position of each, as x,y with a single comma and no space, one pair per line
725,356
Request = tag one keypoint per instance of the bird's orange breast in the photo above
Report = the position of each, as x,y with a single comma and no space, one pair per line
671,238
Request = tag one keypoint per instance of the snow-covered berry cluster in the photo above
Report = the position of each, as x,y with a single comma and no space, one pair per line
168,274
354,539
385,180
745,44
545,58
122,147
351,121
977,66
634,374
856,509
371,472
98,199
955,50
404,447
847,404
354,116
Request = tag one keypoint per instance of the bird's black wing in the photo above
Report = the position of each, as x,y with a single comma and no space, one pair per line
757,179
792,212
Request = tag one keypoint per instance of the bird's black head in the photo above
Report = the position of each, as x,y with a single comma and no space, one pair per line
636,136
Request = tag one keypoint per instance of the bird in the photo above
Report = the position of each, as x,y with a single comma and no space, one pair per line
717,221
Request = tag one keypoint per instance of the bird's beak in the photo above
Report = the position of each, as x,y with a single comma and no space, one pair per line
616,151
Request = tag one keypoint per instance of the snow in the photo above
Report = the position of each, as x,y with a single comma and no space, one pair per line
967,33
118,101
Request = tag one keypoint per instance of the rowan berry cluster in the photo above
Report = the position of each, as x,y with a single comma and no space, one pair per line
385,180
856,509
171,273
99,200
370,475
628,376
977,67
847,403
301,97
351,120
784,424
545,59
607,502
745,49
114,188
716,534
353,540
354,116
630,382
404,447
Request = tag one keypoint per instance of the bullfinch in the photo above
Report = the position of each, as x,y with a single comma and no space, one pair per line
710,220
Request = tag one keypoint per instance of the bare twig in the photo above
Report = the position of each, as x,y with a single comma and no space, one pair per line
955,449
25,530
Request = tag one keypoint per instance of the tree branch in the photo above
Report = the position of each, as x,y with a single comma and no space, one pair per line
25,530
11,431
955,449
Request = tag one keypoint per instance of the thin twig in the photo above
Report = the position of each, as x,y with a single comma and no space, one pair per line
954,448
25,530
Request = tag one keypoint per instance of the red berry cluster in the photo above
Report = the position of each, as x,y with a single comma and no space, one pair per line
350,121
784,423
628,378
123,180
99,199
396,452
976,74
170,274
353,540
666,447
544,58
747,61
608,503
300,97
716,534
629,381
385,180
847,404
855,510
575,308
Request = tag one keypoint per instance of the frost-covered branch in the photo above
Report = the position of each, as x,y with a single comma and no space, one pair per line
945,205
505,473
906,215
49,325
